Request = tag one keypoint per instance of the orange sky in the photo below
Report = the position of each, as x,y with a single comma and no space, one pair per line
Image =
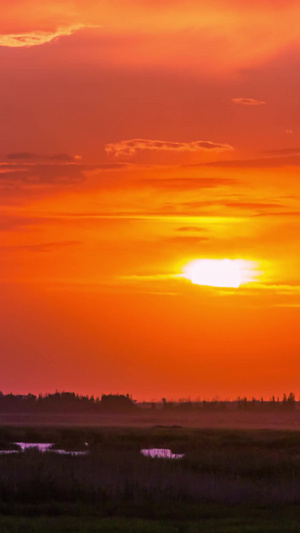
136,136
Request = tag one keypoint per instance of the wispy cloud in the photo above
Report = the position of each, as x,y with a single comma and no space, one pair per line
279,214
184,241
281,288
43,247
133,146
248,101
30,169
282,152
21,170
266,162
252,205
36,38
29,156
42,174
179,184
190,229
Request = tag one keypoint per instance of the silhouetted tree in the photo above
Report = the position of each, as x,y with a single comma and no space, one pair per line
117,403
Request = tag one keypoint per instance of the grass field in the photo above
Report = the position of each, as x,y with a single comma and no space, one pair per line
228,481
234,419
226,521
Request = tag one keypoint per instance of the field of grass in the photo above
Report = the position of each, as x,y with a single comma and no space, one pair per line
257,467
81,525
225,521
234,419
228,481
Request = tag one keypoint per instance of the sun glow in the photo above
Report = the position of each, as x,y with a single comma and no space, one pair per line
218,272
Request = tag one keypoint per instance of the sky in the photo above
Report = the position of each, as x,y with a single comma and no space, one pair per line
138,136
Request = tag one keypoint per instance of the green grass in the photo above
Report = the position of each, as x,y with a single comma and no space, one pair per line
253,521
81,525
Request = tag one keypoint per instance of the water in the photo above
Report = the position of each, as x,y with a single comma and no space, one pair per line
161,453
7,452
41,447
68,452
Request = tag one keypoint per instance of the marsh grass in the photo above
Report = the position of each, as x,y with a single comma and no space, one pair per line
82,525
223,467
223,521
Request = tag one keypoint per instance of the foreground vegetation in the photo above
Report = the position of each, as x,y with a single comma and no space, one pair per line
224,467
227,481
213,521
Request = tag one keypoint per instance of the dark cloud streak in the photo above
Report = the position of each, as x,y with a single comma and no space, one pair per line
29,156
42,247
186,183
267,162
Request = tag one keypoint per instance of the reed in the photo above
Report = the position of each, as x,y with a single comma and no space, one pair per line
221,467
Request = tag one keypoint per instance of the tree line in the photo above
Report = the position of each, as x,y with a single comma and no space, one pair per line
66,402
286,403
119,403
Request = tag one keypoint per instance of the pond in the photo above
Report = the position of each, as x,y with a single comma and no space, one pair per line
41,447
161,453
154,453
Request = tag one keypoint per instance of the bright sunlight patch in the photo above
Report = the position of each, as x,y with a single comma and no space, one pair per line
217,272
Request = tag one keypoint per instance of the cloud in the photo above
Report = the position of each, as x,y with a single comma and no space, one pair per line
282,152
11,223
21,172
252,205
65,158
10,167
266,162
43,247
24,156
28,156
246,206
42,174
186,183
248,101
280,214
133,146
36,38
112,166
182,241
29,167
190,229
281,287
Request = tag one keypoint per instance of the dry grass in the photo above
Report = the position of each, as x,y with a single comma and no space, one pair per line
228,467
239,419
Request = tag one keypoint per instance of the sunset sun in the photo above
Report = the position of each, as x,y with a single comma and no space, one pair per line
215,272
